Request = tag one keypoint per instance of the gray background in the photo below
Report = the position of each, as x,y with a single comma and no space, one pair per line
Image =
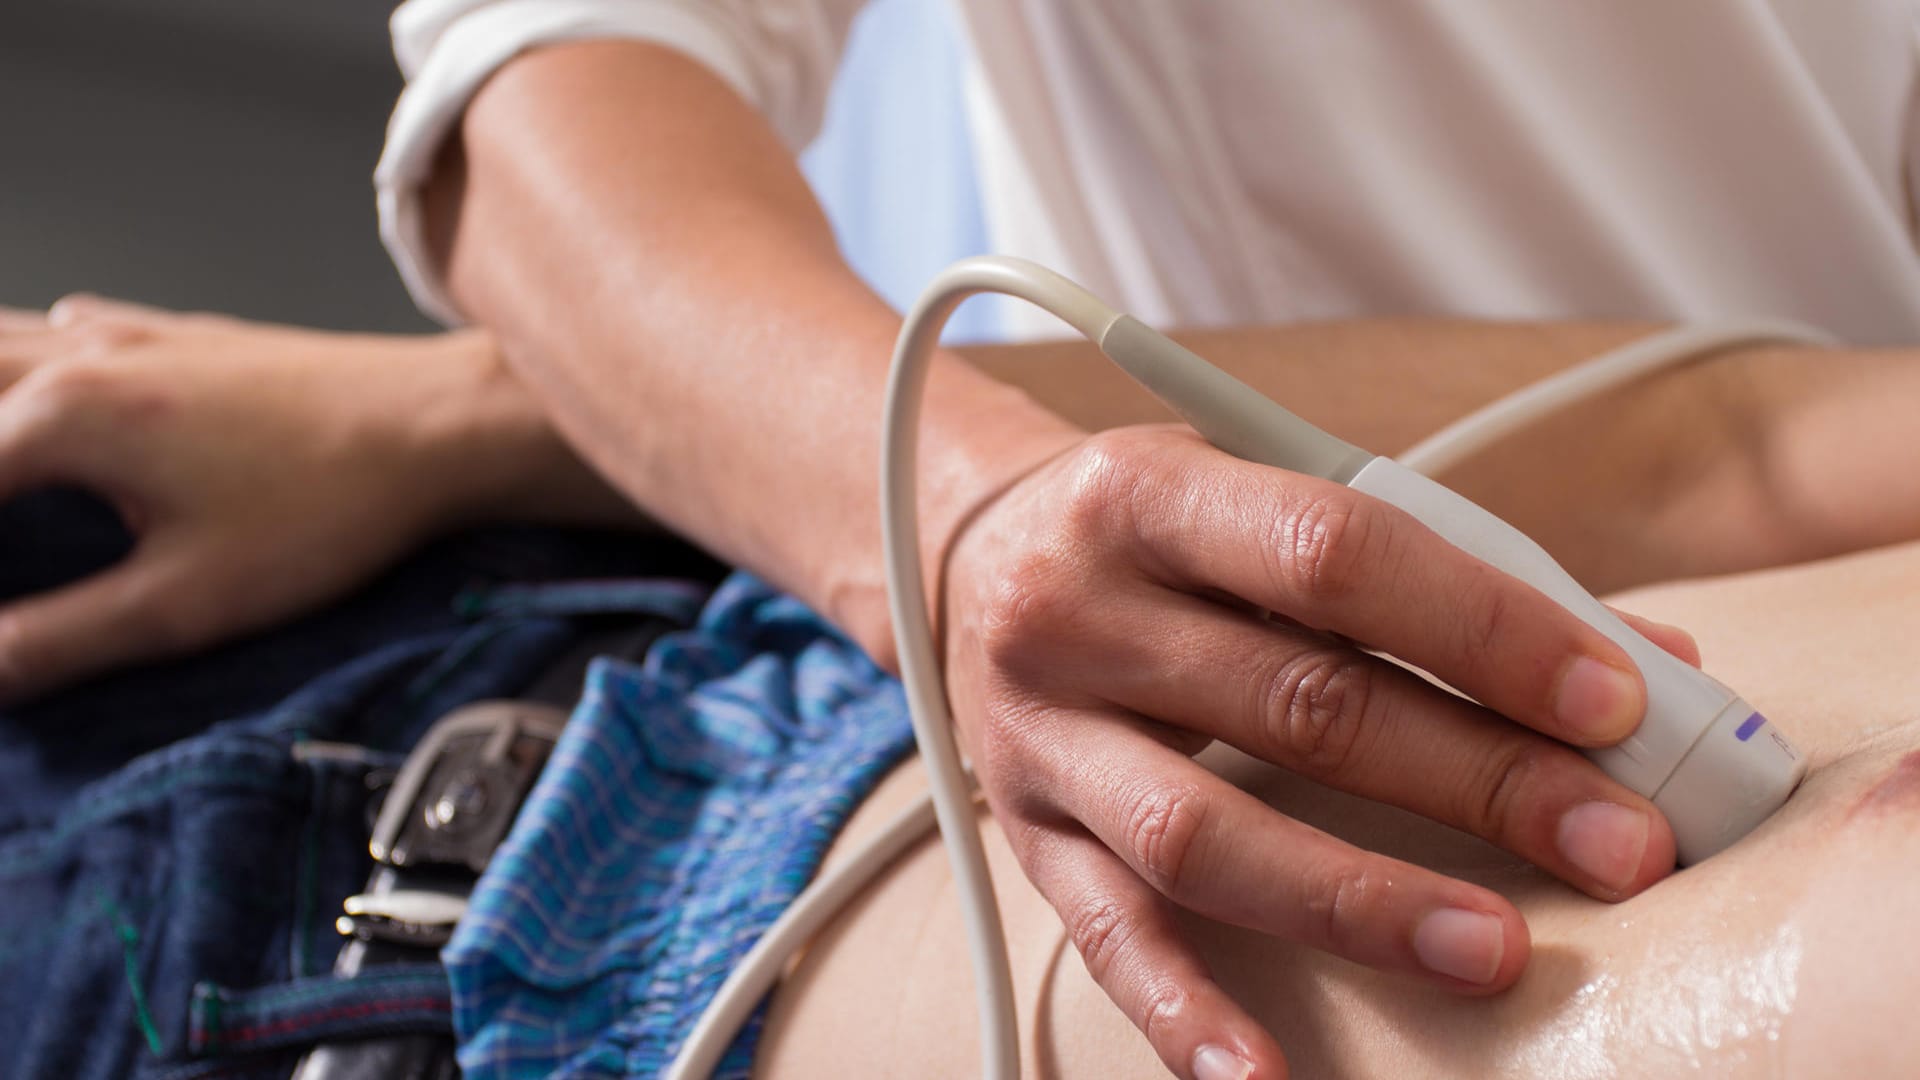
217,155
211,154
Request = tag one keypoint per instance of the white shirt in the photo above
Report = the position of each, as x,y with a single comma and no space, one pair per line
1246,161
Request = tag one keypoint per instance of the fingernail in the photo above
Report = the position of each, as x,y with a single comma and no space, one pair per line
1606,841
1466,945
1693,643
1680,632
63,312
1220,1063
1597,700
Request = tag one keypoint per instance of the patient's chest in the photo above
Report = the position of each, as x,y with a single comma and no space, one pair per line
1786,957
1793,953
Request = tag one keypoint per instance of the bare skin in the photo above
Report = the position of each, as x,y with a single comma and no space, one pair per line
1790,954
220,437
336,451
236,450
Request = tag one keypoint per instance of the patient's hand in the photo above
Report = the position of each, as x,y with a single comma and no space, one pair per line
263,469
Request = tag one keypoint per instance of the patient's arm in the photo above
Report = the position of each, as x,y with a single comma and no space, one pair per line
1747,458
1792,953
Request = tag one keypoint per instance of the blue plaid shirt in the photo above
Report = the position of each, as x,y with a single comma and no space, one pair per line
690,799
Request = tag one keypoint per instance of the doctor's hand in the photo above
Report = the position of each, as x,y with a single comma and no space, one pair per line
262,469
1127,603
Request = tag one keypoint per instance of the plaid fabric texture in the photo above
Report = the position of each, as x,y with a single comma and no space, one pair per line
691,798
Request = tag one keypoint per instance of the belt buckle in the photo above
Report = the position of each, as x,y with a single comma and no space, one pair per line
449,807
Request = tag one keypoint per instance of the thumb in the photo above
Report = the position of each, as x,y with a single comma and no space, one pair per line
127,613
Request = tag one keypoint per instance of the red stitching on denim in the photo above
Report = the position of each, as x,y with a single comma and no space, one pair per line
338,1012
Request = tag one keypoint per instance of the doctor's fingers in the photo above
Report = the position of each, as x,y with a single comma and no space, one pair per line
1216,850
1323,555
1132,946
1671,638
1340,717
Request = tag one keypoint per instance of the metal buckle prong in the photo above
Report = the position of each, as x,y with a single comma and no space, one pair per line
417,917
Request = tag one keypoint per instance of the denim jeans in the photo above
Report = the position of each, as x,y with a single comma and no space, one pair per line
175,840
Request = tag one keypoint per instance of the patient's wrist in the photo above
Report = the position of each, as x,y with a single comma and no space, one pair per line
486,451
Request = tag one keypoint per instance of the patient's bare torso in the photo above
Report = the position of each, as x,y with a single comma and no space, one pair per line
1793,953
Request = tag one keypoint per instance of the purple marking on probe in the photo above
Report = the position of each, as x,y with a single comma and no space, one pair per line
1748,726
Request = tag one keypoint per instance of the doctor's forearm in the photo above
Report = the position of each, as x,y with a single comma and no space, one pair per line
657,271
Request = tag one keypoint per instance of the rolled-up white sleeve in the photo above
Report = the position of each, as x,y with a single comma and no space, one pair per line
780,55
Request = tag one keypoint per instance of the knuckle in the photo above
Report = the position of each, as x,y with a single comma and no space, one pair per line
1038,600
101,337
1342,911
52,388
40,408
1316,706
1163,826
1163,1009
1325,546
1028,837
1489,619
63,389
1111,479
1013,757
1497,799
1101,929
